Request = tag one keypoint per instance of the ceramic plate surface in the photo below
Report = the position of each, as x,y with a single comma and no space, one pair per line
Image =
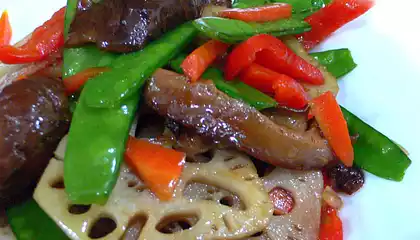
382,90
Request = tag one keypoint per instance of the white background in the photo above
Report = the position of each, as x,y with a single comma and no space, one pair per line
383,91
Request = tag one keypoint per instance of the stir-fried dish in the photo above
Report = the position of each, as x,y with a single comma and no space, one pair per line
182,119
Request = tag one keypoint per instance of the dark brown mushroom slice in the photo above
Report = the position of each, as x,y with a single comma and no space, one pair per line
128,25
34,116
231,122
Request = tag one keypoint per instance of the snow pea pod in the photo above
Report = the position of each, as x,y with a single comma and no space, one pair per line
374,152
28,222
130,71
234,31
338,62
96,144
234,89
96,141
248,3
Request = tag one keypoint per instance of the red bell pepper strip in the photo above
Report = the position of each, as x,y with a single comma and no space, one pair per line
5,29
279,58
330,18
75,82
265,13
160,168
200,59
287,91
331,226
45,40
328,114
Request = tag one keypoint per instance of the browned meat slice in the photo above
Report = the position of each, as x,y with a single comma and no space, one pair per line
294,120
213,114
127,25
34,116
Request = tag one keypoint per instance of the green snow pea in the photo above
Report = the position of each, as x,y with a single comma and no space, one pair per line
97,137
29,222
338,62
374,152
234,31
130,71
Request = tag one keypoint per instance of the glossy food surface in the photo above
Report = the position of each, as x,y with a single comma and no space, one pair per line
212,113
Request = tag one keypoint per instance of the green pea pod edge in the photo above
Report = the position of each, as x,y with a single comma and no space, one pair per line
374,152
29,222
130,71
235,31
338,62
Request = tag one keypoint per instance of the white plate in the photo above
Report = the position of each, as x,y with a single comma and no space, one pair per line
382,91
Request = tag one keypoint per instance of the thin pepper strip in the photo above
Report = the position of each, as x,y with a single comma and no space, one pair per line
266,13
328,114
374,152
288,92
74,83
234,89
28,222
331,226
160,168
199,60
330,18
271,53
330,82
45,40
5,29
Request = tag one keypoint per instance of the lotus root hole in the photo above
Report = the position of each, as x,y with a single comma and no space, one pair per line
58,183
78,209
102,227
177,223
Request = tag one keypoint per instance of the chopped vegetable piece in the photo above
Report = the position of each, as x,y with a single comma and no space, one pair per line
374,152
272,53
248,3
96,141
331,225
75,82
160,168
200,59
234,89
130,71
330,82
265,13
338,62
96,144
328,114
282,200
79,59
45,40
29,222
5,29
345,179
287,91
235,31
327,20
